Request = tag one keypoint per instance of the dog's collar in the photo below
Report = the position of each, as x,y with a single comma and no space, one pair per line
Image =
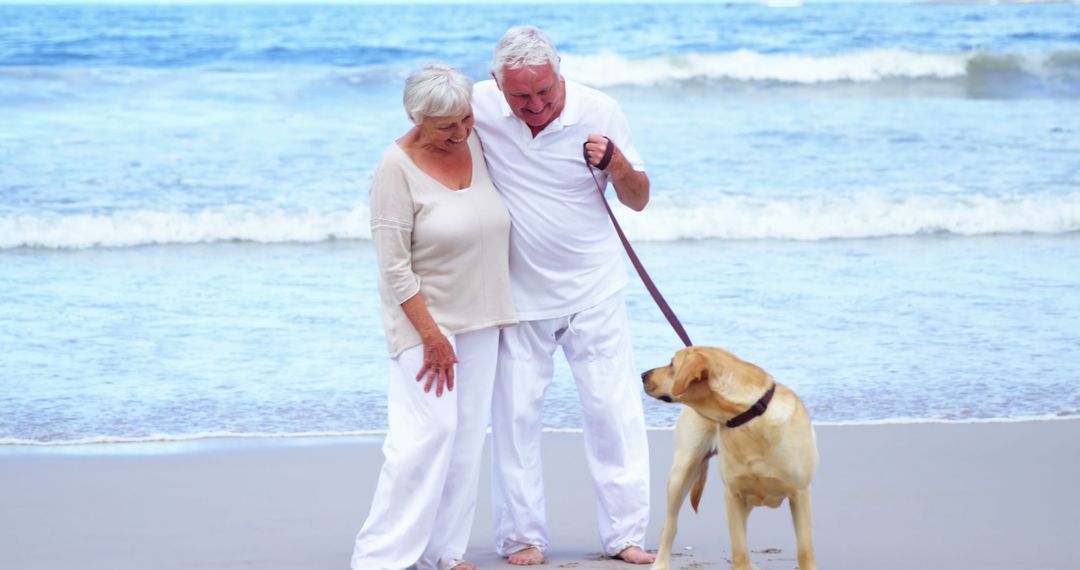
756,410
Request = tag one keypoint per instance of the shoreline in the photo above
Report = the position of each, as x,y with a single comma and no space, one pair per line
993,496
207,441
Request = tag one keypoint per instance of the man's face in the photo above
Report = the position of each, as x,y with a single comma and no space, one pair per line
534,93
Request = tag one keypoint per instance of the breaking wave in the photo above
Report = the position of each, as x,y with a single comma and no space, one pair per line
148,227
726,217
1057,71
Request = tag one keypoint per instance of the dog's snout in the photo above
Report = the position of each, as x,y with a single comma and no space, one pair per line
645,375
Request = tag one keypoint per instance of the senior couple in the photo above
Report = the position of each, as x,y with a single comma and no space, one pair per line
482,275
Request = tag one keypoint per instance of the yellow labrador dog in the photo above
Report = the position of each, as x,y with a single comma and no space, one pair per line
760,429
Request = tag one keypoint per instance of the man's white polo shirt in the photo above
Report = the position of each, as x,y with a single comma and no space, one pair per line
564,254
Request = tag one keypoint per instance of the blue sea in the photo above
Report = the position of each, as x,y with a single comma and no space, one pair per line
878,203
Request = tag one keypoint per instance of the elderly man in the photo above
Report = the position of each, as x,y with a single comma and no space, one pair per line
567,278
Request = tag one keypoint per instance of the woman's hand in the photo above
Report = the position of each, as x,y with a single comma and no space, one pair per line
439,357
438,367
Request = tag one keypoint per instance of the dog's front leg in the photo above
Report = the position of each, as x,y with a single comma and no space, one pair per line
738,510
799,501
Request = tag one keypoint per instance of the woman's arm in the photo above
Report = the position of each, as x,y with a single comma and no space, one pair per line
391,234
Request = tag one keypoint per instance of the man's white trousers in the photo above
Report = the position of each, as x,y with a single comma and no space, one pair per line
597,346
424,502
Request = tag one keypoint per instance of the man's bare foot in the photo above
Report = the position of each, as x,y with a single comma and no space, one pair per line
464,566
635,555
529,556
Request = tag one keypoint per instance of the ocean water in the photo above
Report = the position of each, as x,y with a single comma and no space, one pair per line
877,203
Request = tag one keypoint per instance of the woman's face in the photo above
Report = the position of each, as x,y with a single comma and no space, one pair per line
446,133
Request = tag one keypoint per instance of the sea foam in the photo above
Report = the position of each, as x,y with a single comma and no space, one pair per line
867,66
147,227
724,217
857,217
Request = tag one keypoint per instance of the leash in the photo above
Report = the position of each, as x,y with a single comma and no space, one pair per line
660,302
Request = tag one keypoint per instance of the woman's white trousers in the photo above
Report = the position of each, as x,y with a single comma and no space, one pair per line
424,502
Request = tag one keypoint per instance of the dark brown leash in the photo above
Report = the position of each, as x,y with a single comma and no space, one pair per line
660,302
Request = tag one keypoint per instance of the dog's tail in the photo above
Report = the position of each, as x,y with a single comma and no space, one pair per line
699,483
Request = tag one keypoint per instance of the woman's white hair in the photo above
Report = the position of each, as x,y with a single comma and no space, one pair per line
436,90
521,46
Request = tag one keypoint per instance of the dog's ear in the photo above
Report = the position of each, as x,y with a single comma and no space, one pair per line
693,368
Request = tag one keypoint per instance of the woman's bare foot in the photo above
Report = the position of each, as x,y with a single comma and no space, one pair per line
529,556
635,555
464,566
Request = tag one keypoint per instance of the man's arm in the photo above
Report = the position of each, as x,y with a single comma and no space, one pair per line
631,186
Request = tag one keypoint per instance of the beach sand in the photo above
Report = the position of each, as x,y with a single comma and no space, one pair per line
949,496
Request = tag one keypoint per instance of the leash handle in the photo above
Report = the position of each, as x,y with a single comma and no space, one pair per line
653,290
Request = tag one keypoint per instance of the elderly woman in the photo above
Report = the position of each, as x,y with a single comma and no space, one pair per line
441,234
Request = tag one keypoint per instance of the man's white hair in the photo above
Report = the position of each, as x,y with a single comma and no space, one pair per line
436,90
521,46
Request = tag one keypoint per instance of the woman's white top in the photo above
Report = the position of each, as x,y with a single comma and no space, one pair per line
451,246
